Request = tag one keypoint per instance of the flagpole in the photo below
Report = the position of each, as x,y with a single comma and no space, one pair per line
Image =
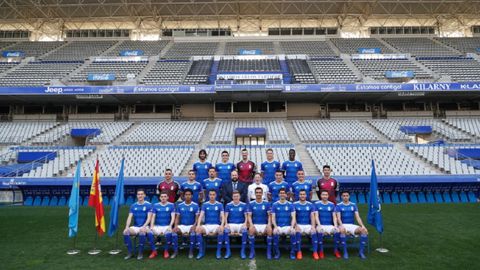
95,251
381,249
73,251
115,249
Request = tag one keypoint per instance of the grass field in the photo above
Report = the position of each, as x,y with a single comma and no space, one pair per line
427,236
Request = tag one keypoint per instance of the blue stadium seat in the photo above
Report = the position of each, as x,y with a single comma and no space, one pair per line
430,198
395,198
421,197
353,197
438,197
413,197
463,197
105,200
85,201
37,201
129,200
54,201
361,198
471,197
154,199
455,197
45,201
446,197
386,198
403,198
62,201
28,201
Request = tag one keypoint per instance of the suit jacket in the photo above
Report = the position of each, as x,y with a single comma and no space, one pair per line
227,191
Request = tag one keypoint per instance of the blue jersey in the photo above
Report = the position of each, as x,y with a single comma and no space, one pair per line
215,184
236,213
283,213
201,170
297,186
259,212
195,187
163,213
224,171
268,170
303,212
188,213
325,212
213,213
291,168
274,189
347,212
140,213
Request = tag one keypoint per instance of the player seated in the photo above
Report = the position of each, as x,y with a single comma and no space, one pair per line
236,218
260,222
186,219
163,218
305,223
140,213
283,220
326,220
213,214
347,213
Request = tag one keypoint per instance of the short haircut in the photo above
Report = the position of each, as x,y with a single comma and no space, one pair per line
302,190
236,192
212,168
257,173
140,190
168,170
244,150
259,188
225,152
345,191
291,150
269,150
323,190
279,171
212,190
326,167
164,192
188,191
282,189
189,171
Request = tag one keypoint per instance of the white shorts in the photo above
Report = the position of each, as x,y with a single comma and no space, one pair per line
305,229
327,229
235,228
260,228
210,228
285,230
161,230
185,229
350,228
135,230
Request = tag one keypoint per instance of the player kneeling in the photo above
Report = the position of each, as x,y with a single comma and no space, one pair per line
187,218
326,220
236,218
163,217
212,211
347,213
305,219
283,219
140,212
260,222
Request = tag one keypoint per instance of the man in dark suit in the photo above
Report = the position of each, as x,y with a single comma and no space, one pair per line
229,186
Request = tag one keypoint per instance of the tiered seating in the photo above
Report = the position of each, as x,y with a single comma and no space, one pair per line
465,45
313,131
140,161
5,44
184,50
224,130
39,73
351,45
419,46
469,125
376,68
255,153
121,69
167,132
310,48
458,68
391,129
332,70
109,131
4,66
301,71
66,158
355,159
233,48
18,132
438,157
149,48
35,49
167,72
80,50
249,65
199,72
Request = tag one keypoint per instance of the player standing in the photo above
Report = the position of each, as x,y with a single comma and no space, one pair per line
186,219
269,167
302,184
283,220
169,186
212,182
275,186
162,221
236,218
260,222
329,184
202,166
194,187
291,167
305,218
326,220
213,214
245,168
225,168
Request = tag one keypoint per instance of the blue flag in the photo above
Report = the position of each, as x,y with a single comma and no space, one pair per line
374,210
118,200
74,204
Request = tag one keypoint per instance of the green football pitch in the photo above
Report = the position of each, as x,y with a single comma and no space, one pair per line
421,236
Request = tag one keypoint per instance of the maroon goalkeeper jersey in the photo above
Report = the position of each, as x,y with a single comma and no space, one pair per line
246,170
171,188
330,185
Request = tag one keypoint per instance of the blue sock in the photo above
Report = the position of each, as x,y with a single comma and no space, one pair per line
293,242
128,243
175,242
141,243
363,242
269,244
226,238
192,241
320,241
298,239
220,241
276,241
200,242
343,242
168,241
151,239
336,241
244,238
251,240
314,242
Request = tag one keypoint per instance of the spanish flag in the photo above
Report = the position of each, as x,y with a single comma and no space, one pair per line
95,200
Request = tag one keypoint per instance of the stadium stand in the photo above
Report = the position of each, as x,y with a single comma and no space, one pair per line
35,49
468,125
224,130
149,48
167,72
465,45
255,153
310,48
458,68
332,70
4,66
249,65
420,46
234,48
18,132
80,50
313,131
301,72
199,72
351,45
184,50
38,73
376,68
123,70
167,132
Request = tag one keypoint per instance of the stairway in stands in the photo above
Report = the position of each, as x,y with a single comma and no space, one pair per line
207,135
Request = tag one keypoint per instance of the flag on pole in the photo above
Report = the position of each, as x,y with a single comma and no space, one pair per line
374,210
74,204
117,201
96,201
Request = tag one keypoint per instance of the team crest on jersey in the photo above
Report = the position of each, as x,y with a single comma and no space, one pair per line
308,208
296,165
216,208
216,184
286,208
240,209
194,187
249,166
144,208
191,209
172,187
328,208
166,209
263,207
352,208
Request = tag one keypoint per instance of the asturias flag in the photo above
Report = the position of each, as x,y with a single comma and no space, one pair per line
96,201
374,210
74,204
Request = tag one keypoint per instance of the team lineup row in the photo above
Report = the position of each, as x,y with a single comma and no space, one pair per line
246,220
